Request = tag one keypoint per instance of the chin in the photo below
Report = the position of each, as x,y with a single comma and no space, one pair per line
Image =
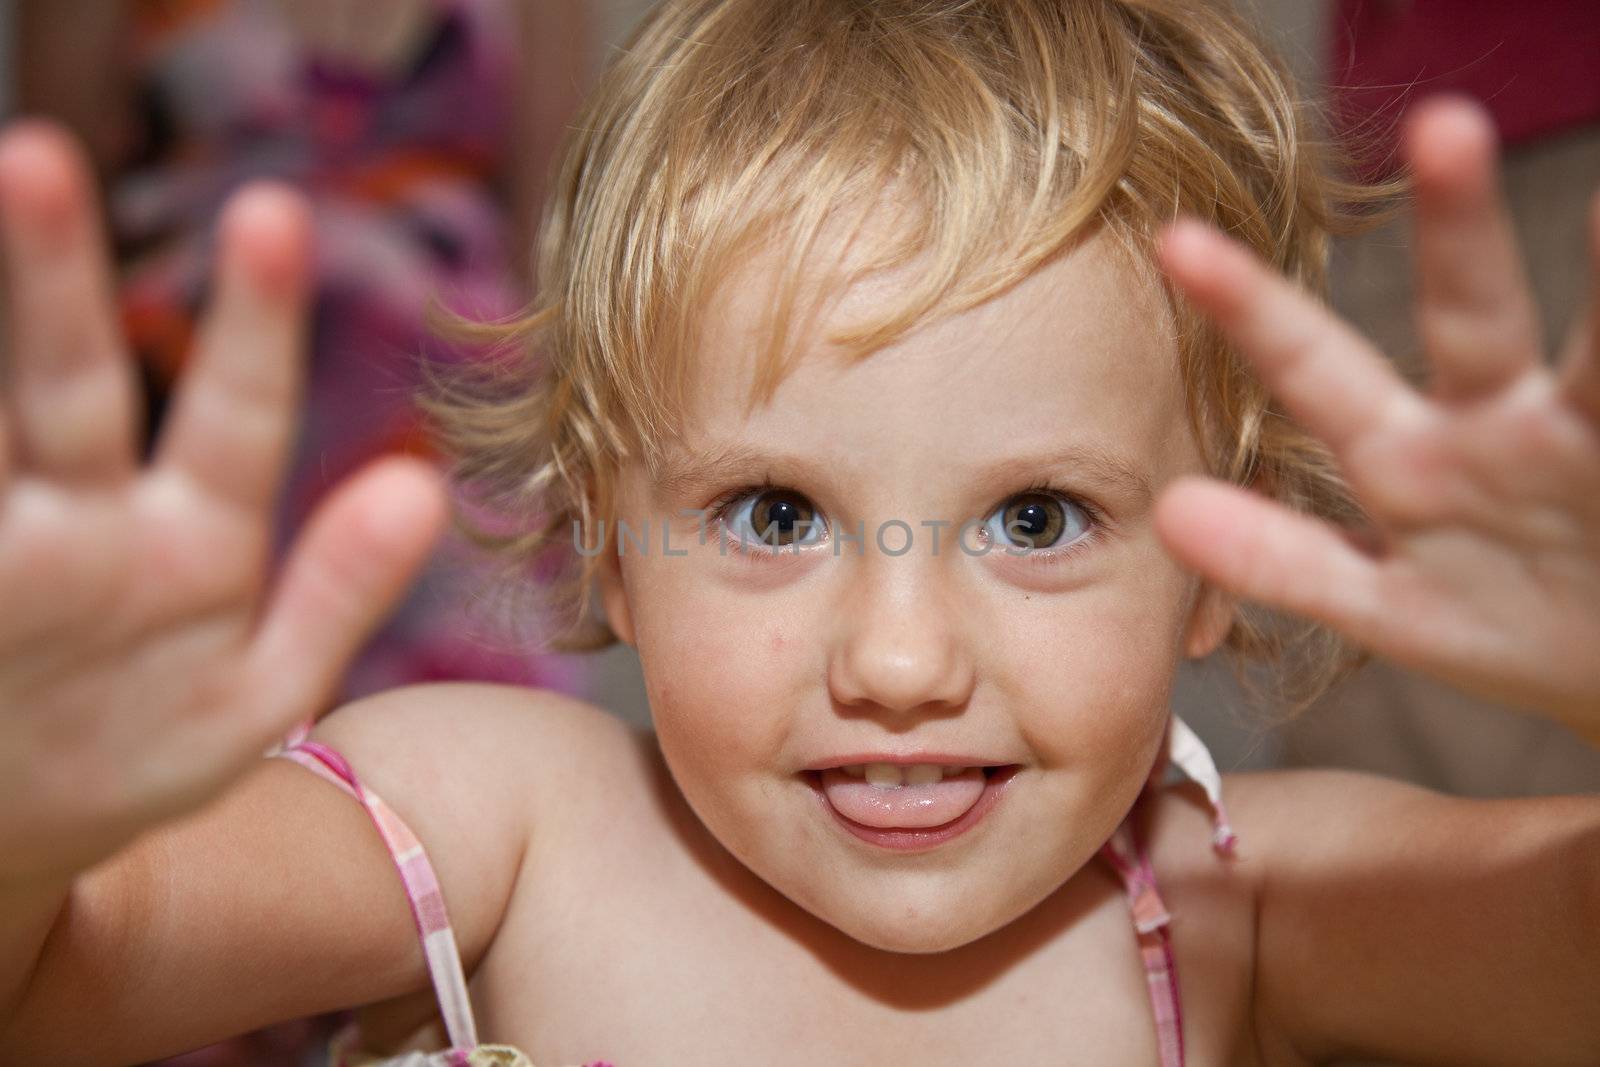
910,930
916,942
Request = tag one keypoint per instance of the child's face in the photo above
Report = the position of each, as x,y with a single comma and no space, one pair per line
1060,661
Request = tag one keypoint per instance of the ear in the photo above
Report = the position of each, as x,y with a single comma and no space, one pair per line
1213,611
614,593
613,589
1210,618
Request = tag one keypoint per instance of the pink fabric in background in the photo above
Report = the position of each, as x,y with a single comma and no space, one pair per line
1534,64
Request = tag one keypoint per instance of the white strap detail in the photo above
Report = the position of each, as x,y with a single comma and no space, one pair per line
1185,749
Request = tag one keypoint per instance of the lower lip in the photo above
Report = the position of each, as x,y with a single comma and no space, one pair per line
927,837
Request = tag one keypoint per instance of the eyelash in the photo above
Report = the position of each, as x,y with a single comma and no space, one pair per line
719,513
1096,523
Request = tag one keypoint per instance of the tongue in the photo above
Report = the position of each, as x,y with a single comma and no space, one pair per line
903,807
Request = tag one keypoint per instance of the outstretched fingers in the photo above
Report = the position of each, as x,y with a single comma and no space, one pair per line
72,391
1327,375
1262,551
1475,313
233,419
348,569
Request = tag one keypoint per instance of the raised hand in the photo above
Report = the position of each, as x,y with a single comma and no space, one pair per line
145,658
1485,491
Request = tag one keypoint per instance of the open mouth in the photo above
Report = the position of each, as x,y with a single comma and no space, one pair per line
908,809
857,770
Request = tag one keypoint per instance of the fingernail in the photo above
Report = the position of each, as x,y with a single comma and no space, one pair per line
272,222
39,175
1186,240
1449,131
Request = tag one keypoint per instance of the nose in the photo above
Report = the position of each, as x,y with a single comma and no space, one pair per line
900,642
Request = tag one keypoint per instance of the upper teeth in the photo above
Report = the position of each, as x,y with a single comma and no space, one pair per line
894,774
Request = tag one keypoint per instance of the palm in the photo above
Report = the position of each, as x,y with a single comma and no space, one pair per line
106,563
145,659
1491,574
1485,492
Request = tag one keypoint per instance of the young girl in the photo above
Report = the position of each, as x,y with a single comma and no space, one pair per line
851,313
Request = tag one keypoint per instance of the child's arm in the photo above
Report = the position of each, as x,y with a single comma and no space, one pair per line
1398,924
1395,922
146,660
278,900
1485,493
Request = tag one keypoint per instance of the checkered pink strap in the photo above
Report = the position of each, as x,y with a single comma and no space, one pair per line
421,886
1126,855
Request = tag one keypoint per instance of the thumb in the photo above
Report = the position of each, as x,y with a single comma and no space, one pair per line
347,570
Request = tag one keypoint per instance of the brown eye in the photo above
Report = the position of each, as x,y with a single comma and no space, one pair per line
1037,521
778,518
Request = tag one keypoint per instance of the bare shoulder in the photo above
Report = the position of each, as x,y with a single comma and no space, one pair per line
1281,814
1327,803
470,728
1303,791
1383,885
1315,853
474,769
1330,818
1284,819
480,752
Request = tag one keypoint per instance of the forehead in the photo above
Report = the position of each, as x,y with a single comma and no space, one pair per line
1080,355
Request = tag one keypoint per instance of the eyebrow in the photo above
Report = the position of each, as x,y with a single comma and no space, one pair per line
694,474
683,475
1091,465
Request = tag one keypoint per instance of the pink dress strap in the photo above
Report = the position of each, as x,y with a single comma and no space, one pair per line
1126,855
421,886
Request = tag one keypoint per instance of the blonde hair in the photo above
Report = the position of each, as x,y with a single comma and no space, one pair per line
1016,127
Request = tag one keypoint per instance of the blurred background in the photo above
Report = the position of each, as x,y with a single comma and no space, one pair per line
423,131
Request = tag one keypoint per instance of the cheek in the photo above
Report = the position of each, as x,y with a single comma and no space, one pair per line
1097,674
718,680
